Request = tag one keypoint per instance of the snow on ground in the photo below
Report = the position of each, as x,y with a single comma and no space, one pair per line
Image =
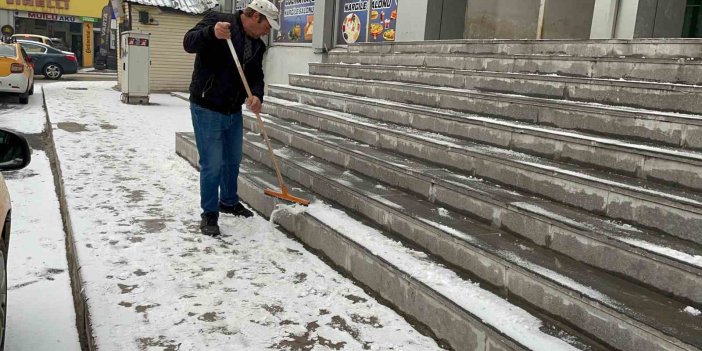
28,119
154,282
693,311
40,305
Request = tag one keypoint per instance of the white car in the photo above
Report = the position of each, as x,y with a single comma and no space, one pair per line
14,154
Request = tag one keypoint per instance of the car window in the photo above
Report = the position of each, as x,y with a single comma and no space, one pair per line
8,51
33,49
24,54
21,37
57,43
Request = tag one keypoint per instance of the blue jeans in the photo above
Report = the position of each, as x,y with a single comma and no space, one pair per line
219,138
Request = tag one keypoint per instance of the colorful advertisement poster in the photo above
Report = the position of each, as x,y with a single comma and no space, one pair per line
383,21
296,21
352,21
241,4
362,21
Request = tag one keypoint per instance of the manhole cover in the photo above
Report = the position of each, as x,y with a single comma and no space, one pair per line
76,88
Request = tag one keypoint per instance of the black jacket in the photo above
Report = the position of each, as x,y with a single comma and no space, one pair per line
216,84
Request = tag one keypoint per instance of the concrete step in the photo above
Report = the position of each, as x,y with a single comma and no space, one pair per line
664,263
647,95
680,71
413,284
636,124
634,201
623,315
632,159
648,48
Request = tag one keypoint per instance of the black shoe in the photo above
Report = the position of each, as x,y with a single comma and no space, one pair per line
208,225
237,210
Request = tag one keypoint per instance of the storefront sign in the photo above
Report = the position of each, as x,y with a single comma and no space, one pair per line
49,4
296,21
87,8
48,17
366,21
89,19
87,44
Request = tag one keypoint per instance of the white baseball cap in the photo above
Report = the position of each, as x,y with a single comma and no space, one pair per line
267,9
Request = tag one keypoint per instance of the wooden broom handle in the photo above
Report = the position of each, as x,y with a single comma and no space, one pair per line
258,117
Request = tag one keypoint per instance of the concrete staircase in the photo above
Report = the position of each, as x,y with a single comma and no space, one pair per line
563,176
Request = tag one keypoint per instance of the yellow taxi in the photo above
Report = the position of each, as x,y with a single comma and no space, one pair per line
16,71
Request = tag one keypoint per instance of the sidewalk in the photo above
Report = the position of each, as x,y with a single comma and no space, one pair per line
153,281
40,305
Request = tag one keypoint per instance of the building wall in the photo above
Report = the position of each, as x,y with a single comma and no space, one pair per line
568,19
660,18
412,20
670,19
282,60
502,19
7,18
171,66
626,19
453,19
604,20
614,19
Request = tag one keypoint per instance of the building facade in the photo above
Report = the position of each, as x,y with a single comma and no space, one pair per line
310,28
171,67
75,22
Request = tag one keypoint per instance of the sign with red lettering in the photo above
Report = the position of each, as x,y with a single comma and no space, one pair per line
49,4
137,41
49,17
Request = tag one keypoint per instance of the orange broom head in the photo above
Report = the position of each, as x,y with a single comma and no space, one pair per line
286,196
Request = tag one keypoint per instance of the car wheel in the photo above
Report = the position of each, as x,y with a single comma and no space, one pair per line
31,90
53,71
24,99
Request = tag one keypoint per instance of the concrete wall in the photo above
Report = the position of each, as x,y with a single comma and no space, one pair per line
604,19
626,19
7,18
502,19
453,19
670,19
282,60
412,20
568,19
660,18
430,20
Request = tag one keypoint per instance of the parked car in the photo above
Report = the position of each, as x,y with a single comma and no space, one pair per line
14,154
53,42
50,62
16,71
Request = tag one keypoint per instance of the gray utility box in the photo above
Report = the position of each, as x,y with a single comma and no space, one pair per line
136,61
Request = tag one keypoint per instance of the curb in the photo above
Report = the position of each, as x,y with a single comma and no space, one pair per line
80,300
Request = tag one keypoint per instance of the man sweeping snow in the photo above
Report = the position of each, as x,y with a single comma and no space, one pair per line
216,96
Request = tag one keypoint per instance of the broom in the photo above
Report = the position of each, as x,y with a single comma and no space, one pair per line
283,194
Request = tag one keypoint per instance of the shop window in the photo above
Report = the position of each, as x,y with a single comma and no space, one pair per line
40,25
692,27
76,27
360,21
